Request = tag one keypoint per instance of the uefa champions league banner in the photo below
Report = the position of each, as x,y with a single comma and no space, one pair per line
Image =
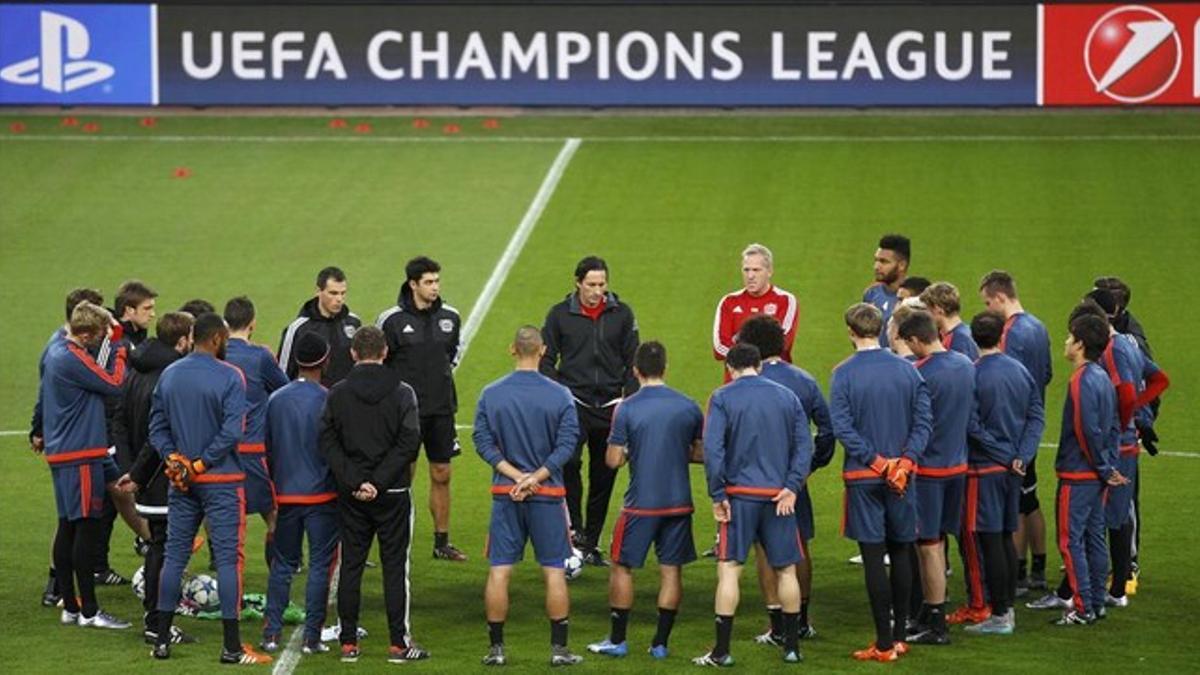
616,55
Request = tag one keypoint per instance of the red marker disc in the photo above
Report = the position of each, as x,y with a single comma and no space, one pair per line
148,122
420,123
91,127
491,123
17,127
70,122
337,123
451,128
181,172
362,128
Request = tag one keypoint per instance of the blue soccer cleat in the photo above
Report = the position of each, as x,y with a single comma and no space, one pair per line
658,652
607,648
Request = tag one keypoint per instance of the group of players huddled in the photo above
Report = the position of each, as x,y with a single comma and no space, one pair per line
940,421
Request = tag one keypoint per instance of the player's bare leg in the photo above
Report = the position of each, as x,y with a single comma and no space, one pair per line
620,601
126,505
787,589
495,604
439,509
767,585
558,607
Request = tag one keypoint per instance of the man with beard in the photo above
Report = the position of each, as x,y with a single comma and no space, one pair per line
891,270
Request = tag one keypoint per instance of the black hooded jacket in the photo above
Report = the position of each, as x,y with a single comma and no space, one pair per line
133,424
338,331
370,429
423,348
594,359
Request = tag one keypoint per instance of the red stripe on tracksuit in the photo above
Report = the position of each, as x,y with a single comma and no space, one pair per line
1064,544
723,541
241,542
614,553
971,545
1077,416
85,489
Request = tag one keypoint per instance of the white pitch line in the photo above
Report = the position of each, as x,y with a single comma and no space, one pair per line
491,289
952,138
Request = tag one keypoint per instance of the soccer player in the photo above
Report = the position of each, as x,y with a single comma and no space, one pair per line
328,315
1086,464
767,335
195,423
73,391
1011,411
306,494
1025,339
171,342
912,287
757,454
891,270
757,297
943,303
370,435
590,339
263,376
424,347
526,428
904,309
881,413
135,309
658,431
197,306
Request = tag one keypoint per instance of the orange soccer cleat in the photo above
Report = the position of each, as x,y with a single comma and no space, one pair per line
871,653
971,615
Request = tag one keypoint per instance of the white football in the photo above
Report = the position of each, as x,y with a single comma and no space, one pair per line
138,583
201,591
573,565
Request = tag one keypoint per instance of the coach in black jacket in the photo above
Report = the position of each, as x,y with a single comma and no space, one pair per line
172,341
369,436
328,314
591,337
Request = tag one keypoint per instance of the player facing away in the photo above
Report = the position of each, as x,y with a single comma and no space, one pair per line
263,376
72,396
657,431
943,302
758,297
891,270
881,414
757,453
1011,411
1026,340
306,494
767,335
369,436
526,428
196,418
1086,465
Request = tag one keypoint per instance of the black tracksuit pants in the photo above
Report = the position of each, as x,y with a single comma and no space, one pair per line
594,425
390,517
155,555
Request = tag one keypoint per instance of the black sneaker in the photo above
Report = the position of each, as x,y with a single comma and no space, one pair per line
109,577
412,652
449,552
595,558
50,596
929,636
178,637
1074,618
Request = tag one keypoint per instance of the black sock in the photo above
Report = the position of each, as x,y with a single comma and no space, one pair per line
164,627
620,621
901,587
233,638
1064,588
724,635
878,592
1039,565
775,614
496,632
937,617
441,539
804,613
558,632
666,621
791,632
1021,566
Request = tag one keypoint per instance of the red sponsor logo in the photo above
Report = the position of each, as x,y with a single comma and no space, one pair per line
1121,54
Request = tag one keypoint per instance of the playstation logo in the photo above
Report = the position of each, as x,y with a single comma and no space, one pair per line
61,66
1132,54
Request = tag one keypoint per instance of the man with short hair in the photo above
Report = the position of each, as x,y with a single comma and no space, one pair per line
329,316
912,287
263,376
172,341
134,308
198,306
757,454
590,340
526,429
891,271
904,309
370,436
758,297
1025,339
73,392
195,423
765,333
943,303
881,413
658,431
306,494
423,347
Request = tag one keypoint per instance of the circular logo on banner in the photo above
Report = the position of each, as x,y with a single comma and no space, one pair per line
1132,53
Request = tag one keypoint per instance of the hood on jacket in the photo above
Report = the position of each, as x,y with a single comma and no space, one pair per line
406,302
154,354
313,312
372,382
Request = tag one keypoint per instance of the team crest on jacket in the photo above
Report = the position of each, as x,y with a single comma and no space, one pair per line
446,325
349,331
770,308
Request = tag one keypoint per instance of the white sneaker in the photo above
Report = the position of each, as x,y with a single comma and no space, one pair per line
857,560
69,618
1049,601
103,620
1109,601
334,633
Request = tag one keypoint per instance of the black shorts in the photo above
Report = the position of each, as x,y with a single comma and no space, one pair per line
440,438
1029,498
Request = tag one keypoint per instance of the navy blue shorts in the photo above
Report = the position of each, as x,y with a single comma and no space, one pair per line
79,489
1118,505
993,501
753,521
939,506
804,515
260,489
872,514
637,529
545,523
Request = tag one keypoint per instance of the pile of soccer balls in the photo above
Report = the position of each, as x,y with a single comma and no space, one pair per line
199,592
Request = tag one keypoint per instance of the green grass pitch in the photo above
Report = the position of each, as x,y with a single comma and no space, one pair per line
669,201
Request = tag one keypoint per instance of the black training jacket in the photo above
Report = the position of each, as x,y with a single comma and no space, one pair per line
594,359
132,424
338,331
423,348
370,430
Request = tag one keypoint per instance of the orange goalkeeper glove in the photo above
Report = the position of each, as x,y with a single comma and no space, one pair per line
181,471
898,474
